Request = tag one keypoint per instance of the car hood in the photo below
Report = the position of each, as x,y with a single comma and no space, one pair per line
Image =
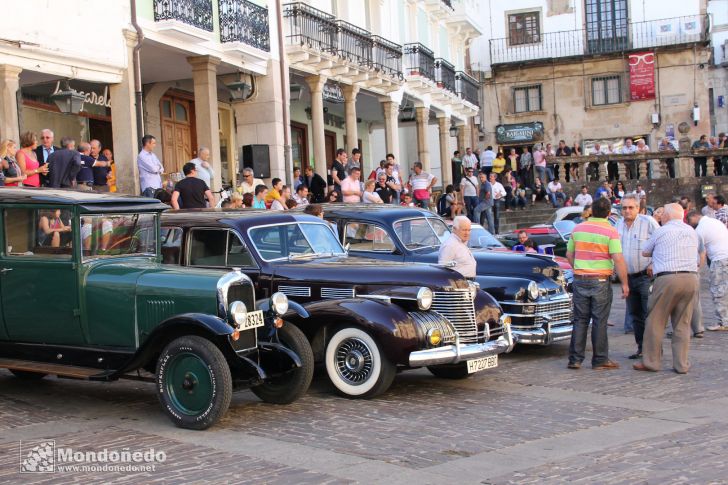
364,271
504,263
562,262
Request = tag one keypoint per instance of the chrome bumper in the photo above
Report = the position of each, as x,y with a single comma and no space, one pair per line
544,335
452,354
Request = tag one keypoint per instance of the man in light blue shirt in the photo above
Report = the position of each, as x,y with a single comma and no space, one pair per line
259,198
150,168
203,167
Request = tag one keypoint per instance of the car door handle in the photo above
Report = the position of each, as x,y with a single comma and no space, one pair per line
5,270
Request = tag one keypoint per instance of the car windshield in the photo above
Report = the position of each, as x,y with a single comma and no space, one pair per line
565,228
110,235
422,232
480,238
291,241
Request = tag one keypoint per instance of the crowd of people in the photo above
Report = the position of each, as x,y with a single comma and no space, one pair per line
35,161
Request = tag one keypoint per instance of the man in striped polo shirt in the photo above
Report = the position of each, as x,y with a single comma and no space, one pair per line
594,252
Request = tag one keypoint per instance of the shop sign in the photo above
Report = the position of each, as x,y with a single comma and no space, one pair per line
642,76
519,133
91,97
332,93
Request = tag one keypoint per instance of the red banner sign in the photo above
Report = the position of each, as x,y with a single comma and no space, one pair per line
642,76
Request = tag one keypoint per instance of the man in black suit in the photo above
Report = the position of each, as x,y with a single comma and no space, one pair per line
316,185
64,164
43,151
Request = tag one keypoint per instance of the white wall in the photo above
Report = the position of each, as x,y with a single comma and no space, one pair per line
86,34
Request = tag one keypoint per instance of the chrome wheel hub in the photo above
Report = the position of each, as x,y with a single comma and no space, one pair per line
354,361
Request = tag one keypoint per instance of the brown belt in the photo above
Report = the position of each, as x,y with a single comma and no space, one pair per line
590,277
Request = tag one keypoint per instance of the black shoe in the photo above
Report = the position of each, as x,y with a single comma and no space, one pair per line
698,335
574,365
636,355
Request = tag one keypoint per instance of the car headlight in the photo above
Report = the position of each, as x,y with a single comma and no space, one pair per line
279,303
533,290
238,312
434,336
505,320
424,298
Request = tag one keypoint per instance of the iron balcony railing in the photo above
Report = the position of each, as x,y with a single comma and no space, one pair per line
308,26
197,13
320,31
419,61
467,88
354,44
602,39
244,21
387,57
445,75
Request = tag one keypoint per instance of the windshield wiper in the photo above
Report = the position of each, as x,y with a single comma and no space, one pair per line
292,257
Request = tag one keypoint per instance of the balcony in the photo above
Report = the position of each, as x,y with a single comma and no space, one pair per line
243,22
467,88
354,45
445,75
387,57
187,20
320,43
603,40
419,61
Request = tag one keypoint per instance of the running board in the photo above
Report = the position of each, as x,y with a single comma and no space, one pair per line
54,369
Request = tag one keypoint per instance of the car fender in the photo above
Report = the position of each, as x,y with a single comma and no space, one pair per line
505,288
390,325
208,326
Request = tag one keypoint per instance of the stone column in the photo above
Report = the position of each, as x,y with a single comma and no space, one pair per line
391,127
462,140
9,85
352,134
204,77
443,124
124,131
602,170
422,117
316,85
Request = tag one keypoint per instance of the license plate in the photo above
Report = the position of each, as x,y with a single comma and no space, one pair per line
476,365
254,320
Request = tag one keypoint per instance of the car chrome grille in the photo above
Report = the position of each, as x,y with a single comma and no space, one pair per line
457,306
558,311
303,291
244,292
428,320
337,293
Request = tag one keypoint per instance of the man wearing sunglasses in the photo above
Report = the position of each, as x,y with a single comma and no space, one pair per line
44,150
248,182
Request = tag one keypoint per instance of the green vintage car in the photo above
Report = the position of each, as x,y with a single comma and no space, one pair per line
83,295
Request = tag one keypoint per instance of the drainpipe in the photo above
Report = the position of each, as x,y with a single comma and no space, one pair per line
286,93
137,76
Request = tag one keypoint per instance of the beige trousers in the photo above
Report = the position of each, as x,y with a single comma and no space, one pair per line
672,297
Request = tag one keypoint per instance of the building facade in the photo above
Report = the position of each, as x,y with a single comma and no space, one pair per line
593,70
718,75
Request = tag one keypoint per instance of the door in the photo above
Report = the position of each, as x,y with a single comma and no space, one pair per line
176,132
606,25
39,286
299,147
330,139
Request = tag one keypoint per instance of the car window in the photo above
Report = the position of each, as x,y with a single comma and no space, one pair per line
421,232
238,254
291,240
39,233
480,238
208,247
113,235
171,245
571,216
362,236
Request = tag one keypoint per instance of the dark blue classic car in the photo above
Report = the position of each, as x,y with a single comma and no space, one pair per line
531,288
366,319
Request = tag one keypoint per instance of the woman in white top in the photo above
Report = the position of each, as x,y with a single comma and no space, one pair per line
280,204
369,196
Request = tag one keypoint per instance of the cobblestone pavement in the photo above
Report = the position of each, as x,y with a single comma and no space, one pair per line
529,421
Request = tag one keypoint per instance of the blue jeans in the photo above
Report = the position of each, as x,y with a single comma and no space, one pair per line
592,301
550,172
555,197
149,192
471,203
639,292
541,174
483,209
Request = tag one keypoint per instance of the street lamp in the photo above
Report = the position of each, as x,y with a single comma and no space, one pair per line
240,90
454,131
68,100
